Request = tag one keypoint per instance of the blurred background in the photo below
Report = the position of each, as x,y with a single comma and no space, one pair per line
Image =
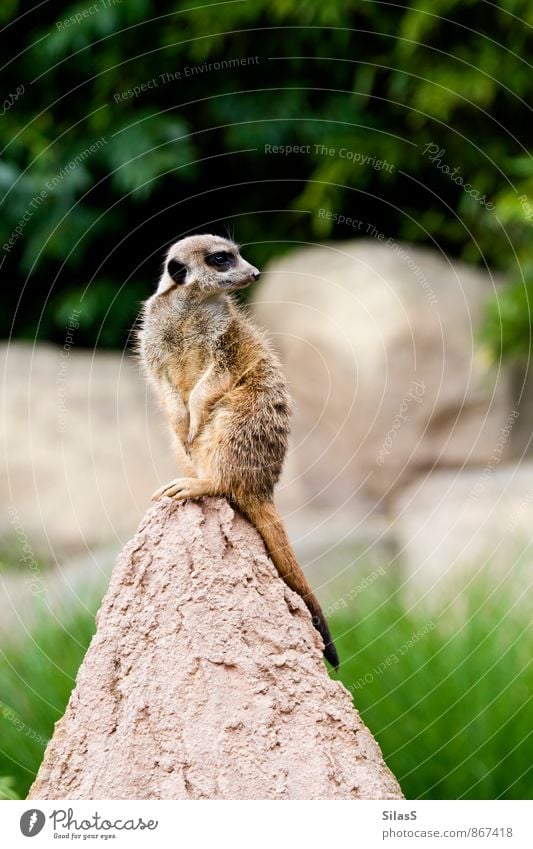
375,161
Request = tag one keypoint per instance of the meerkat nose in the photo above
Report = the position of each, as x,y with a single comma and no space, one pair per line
256,274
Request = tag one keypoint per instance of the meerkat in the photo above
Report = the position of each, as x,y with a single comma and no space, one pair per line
225,394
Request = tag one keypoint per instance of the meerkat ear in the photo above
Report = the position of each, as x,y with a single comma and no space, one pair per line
177,272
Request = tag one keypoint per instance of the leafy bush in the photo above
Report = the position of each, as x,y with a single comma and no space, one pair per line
128,128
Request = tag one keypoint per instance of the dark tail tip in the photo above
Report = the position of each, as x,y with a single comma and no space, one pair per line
330,652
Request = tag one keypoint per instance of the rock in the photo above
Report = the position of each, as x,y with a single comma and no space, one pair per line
387,374
457,526
86,447
205,680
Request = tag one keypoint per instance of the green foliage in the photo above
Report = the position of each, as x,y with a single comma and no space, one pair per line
123,139
508,321
447,695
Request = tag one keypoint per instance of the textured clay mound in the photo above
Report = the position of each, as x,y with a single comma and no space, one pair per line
205,680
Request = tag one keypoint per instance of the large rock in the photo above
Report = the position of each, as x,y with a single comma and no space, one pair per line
85,448
457,526
205,680
389,379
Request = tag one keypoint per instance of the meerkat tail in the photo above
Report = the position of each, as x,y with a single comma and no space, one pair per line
267,520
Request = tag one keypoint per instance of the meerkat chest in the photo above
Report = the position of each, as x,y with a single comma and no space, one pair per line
177,381
181,344
184,373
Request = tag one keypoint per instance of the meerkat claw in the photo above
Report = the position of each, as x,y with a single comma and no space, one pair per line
165,490
182,488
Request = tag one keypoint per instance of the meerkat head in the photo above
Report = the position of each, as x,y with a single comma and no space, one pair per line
211,264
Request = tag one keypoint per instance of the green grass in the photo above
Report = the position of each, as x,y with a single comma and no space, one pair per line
7,790
451,711
36,679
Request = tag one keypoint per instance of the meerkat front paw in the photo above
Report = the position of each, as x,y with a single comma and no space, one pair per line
181,488
193,433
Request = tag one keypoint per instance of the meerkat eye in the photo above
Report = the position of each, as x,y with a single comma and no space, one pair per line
221,260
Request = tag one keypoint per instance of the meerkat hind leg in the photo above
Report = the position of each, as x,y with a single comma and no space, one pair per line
181,488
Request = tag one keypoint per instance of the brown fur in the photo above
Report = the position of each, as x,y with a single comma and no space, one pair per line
225,395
